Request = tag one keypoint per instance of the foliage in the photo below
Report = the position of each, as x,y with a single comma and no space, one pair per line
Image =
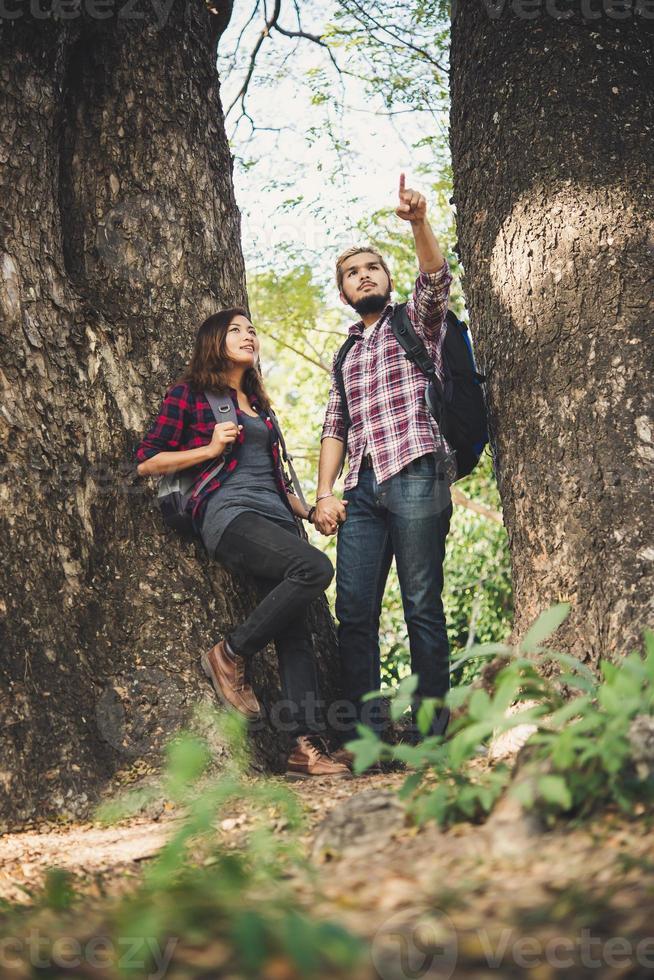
580,755
235,900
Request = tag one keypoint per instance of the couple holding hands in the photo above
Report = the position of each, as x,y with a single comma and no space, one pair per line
396,499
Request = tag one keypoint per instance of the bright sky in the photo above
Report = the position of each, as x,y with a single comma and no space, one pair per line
300,163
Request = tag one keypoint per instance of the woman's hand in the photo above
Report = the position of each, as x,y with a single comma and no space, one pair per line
329,514
223,435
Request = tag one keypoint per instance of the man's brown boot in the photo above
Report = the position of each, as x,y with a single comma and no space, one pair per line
310,757
347,758
227,674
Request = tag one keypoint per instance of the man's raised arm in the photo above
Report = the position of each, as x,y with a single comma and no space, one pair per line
428,304
413,208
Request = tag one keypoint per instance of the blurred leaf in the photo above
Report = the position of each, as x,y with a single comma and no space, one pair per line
555,790
546,624
403,696
59,889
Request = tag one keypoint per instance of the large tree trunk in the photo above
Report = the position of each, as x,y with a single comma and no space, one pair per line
552,136
119,234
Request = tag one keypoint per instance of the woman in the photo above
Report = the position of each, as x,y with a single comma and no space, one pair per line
245,516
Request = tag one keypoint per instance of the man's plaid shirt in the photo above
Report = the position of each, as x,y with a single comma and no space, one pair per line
185,420
386,392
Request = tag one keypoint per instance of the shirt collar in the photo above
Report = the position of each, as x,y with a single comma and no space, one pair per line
358,327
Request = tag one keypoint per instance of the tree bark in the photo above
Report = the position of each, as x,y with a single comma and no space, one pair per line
552,133
119,234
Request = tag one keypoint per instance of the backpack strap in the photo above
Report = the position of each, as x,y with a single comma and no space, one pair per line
223,410
416,352
414,348
222,407
288,459
344,350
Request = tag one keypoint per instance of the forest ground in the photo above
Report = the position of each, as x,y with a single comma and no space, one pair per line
500,899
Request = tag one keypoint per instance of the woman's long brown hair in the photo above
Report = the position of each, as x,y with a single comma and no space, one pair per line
209,361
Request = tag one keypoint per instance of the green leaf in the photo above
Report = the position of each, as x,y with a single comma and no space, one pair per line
608,671
366,733
250,938
546,624
300,942
523,792
578,683
571,709
425,715
410,784
58,891
365,753
337,945
402,699
411,754
435,807
188,757
481,650
507,692
480,704
371,695
464,744
457,696
554,789
610,700
573,663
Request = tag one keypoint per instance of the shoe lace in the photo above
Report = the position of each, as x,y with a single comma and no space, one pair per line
315,746
239,671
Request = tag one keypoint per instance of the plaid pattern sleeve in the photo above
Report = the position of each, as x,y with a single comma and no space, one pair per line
427,308
166,433
333,426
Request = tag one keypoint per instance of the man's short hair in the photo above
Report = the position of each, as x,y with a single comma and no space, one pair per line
357,250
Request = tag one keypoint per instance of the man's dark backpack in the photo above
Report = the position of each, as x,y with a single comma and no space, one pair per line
457,404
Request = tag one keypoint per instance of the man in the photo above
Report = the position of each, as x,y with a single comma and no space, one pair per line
396,501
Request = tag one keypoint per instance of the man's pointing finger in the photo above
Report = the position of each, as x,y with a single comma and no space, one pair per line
402,183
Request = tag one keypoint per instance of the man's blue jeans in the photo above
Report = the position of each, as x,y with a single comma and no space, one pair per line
407,516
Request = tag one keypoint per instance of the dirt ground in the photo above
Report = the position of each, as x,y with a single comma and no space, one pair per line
500,899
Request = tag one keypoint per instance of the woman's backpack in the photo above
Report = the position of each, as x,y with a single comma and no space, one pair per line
174,489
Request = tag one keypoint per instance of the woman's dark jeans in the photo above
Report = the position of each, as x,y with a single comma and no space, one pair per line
407,516
289,574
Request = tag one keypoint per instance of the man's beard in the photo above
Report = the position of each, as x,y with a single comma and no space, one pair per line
372,303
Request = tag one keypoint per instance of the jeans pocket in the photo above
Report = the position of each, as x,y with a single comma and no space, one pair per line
416,497
422,468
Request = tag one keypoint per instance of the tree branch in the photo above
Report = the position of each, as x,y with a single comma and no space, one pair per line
315,39
396,37
253,57
483,510
312,360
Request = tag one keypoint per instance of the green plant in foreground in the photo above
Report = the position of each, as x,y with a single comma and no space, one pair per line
235,904
583,750
202,892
